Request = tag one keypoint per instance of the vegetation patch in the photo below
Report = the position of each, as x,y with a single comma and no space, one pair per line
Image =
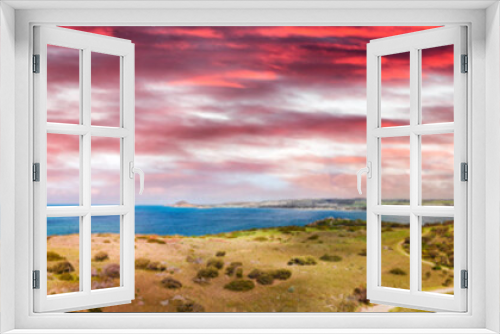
302,261
66,277
231,269
239,273
61,267
209,272
220,253
190,306
171,283
265,279
255,273
331,258
111,270
101,256
281,274
142,263
397,271
217,263
156,241
156,266
53,256
240,285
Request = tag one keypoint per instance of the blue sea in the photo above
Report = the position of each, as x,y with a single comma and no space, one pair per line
164,220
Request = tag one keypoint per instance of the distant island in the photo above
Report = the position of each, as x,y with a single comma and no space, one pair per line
335,204
311,204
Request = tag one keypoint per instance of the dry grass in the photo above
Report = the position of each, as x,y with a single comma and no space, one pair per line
324,287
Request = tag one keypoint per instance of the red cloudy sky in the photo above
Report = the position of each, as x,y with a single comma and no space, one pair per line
247,113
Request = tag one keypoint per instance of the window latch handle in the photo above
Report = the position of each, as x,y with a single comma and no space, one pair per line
134,170
368,171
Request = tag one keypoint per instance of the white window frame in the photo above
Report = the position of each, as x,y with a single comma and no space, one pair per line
483,21
413,43
85,43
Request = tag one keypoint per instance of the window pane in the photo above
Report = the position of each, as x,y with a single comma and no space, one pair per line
63,85
63,169
105,90
395,235
395,170
437,84
437,169
63,255
395,89
105,251
106,163
437,254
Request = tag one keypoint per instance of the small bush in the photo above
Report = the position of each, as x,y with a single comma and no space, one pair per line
111,270
265,279
302,261
360,295
106,241
209,272
220,254
230,270
313,237
53,256
217,263
448,281
156,266
239,273
331,258
171,283
66,277
436,267
62,267
101,256
261,239
156,241
255,273
141,263
95,309
240,285
397,271
281,274
362,252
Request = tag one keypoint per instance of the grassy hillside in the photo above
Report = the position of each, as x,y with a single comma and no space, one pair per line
318,268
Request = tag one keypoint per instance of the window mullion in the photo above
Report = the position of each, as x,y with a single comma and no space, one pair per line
85,154
414,170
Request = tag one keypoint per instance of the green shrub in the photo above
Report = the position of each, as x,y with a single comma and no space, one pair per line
362,252
141,263
217,263
62,267
265,279
101,256
209,272
397,271
281,274
240,285
313,237
261,239
302,261
436,267
156,241
448,281
230,270
220,253
239,273
331,258
66,277
255,273
53,256
171,283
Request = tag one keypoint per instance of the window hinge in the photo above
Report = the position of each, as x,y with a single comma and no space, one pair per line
465,279
36,172
36,279
465,64
464,171
36,63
